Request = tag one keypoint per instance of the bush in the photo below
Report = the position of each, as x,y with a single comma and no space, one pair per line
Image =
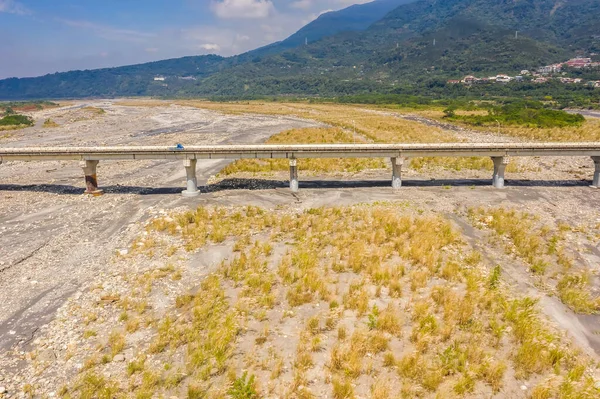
243,388
522,113
16,120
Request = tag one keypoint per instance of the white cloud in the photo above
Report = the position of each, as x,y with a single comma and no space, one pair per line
238,26
210,47
246,9
13,7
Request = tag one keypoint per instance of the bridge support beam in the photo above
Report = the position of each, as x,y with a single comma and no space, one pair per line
294,186
192,181
499,168
91,177
397,167
596,181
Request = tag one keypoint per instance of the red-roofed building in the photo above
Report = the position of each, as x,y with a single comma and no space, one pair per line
579,62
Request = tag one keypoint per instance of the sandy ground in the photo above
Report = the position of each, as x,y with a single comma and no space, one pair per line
54,240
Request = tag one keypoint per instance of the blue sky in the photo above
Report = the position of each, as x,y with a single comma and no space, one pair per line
47,36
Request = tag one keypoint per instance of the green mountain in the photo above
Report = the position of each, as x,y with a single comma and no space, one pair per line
138,80
360,50
358,17
421,42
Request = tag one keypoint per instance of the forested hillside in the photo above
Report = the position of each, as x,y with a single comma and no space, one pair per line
359,50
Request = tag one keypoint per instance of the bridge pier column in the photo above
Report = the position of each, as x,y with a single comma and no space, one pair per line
499,168
91,177
596,181
294,186
397,166
192,182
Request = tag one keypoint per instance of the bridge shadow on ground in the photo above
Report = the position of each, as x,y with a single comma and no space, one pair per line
255,184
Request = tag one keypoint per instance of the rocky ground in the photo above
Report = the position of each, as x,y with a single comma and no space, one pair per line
53,239
61,251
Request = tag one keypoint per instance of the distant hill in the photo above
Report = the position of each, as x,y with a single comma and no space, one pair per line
358,17
134,80
139,79
371,47
421,42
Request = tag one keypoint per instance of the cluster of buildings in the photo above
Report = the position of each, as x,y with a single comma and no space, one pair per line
160,78
470,80
577,63
539,76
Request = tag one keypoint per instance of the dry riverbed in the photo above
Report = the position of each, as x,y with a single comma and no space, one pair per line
345,302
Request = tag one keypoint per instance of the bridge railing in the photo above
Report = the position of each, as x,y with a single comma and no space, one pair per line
397,153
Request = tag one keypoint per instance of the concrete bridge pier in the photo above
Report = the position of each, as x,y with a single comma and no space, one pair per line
294,186
596,181
397,166
499,168
91,177
192,181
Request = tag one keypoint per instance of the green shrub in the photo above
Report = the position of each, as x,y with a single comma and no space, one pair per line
243,388
15,120
521,113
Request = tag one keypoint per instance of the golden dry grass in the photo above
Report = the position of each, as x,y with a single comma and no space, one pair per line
308,136
305,304
465,163
12,127
94,110
373,125
589,131
542,247
49,123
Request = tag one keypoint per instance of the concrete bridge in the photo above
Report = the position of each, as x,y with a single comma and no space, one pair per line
398,153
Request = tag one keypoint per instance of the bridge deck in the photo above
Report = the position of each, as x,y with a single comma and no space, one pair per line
301,151
499,152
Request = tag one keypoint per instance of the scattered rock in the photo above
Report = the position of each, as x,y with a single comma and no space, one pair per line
46,355
119,358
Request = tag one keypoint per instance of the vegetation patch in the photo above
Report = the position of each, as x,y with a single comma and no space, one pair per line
374,300
14,121
49,123
543,248
94,110
354,125
308,136
528,114
25,106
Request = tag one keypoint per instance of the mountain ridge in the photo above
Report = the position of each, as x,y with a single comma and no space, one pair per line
415,42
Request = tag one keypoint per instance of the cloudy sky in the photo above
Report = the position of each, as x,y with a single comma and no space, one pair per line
47,36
